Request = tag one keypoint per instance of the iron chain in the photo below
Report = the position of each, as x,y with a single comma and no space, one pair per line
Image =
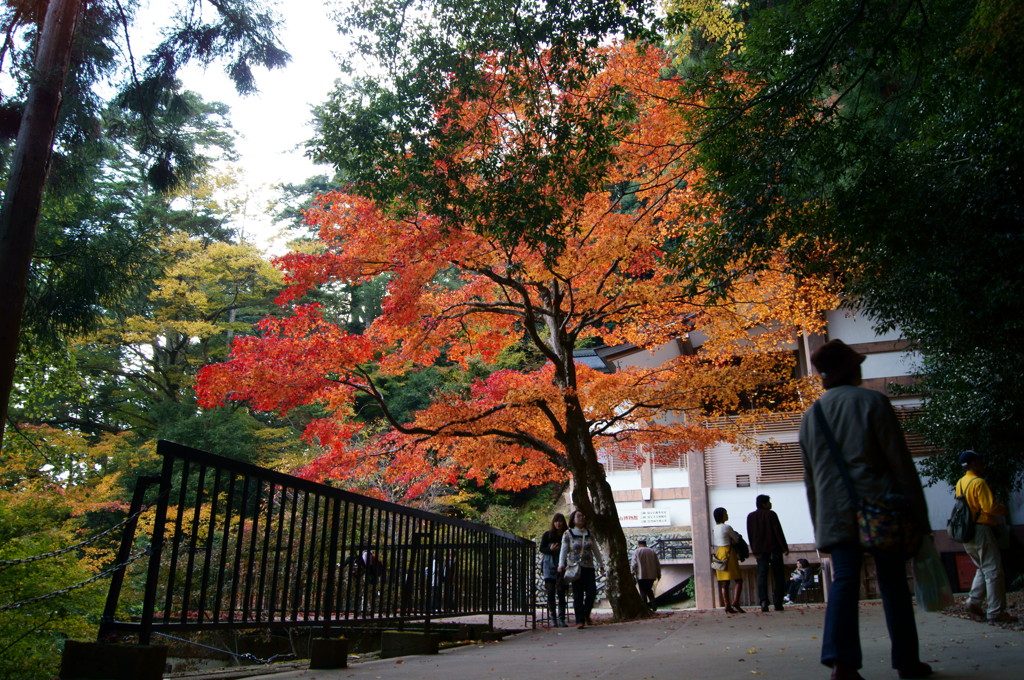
76,586
62,551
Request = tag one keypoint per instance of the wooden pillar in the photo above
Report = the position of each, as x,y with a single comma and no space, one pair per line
647,480
704,587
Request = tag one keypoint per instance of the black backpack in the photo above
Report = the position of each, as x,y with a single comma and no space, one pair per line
960,526
742,550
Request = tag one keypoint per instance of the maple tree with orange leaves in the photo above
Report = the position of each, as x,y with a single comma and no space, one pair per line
460,297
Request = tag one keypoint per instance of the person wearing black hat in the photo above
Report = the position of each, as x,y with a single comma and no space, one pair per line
989,586
871,442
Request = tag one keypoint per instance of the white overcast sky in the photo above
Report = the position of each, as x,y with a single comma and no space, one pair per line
274,123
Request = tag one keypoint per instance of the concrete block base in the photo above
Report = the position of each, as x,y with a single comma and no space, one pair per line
475,630
399,643
103,661
328,653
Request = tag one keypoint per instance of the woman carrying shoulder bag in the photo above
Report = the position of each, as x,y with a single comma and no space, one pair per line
724,540
580,547
853,448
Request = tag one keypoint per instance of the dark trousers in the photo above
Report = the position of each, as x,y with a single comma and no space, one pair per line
584,592
770,562
556,590
794,589
841,639
646,588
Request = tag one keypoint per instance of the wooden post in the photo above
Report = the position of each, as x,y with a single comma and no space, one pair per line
700,527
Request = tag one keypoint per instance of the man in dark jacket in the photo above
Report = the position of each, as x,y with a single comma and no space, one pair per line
768,544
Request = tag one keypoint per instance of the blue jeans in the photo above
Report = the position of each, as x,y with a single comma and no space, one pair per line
841,639
556,590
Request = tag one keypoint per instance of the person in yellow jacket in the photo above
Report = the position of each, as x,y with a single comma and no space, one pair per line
989,587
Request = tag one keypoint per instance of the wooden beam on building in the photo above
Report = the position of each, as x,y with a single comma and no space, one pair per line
700,532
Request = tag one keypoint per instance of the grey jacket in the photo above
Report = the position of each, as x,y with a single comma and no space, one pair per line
869,435
579,546
645,564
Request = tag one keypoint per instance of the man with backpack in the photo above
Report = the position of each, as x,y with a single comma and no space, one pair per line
983,548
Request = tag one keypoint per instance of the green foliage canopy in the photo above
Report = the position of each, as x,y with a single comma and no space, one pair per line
890,133
384,133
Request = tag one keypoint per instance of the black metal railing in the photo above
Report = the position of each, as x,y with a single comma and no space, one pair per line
673,548
232,545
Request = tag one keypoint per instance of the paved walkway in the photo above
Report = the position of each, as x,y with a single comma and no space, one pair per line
703,645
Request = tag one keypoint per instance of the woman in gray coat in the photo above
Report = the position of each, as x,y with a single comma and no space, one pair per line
871,442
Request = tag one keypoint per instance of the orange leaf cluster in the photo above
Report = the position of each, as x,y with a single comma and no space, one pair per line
456,295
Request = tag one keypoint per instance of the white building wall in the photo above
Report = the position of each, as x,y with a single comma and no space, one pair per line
625,480
678,510
890,365
648,358
789,501
664,479
853,327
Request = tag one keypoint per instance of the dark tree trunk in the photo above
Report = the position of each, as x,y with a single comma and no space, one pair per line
593,495
19,218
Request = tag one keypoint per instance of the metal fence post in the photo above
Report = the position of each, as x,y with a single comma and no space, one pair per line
156,548
142,484
332,560
491,580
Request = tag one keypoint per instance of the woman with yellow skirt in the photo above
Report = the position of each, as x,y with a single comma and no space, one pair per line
723,540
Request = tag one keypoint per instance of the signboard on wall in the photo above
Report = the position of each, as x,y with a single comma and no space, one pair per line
644,517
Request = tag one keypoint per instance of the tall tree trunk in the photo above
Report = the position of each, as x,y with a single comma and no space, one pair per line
19,217
593,495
